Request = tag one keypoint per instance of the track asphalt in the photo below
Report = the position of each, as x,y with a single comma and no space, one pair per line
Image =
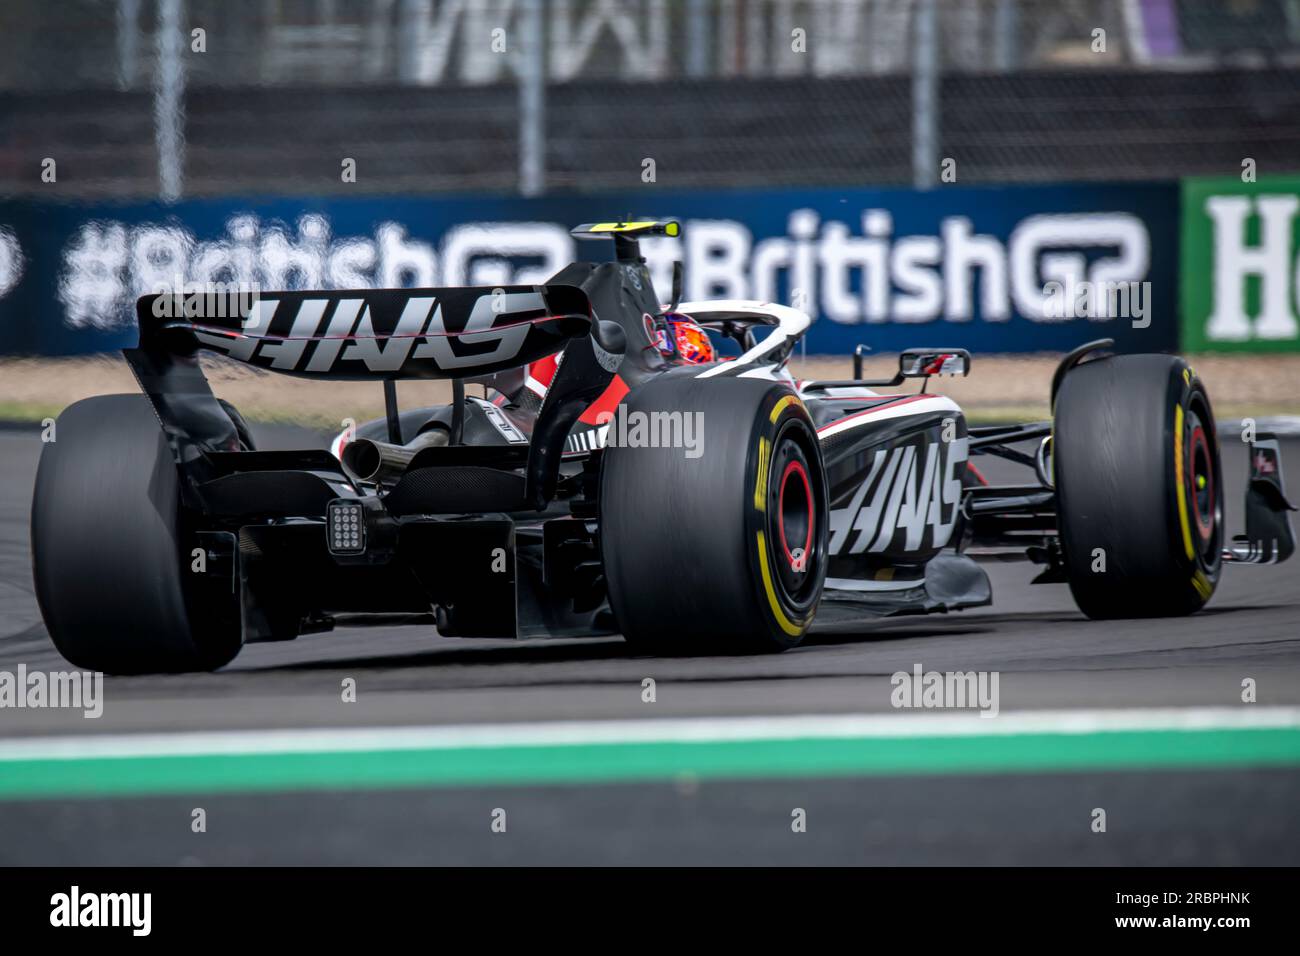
449,740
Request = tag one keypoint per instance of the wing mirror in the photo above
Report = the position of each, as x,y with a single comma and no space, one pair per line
916,363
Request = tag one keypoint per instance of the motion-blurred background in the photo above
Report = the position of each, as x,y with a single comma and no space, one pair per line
911,172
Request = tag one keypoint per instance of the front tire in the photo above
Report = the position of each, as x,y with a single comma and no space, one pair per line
1138,486
725,551
109,551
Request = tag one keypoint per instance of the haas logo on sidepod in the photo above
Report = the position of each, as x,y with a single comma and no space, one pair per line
910,489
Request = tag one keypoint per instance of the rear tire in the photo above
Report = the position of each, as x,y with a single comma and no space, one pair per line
725,551
109,553
1138,487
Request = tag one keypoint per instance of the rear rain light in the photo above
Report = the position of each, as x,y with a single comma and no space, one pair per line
345,527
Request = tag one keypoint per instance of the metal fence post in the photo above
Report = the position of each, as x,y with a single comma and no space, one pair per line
698,42
128,28
1004,36
532,101
169,102
925,95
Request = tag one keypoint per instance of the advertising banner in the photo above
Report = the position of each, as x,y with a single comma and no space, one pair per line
1040,268
1241,264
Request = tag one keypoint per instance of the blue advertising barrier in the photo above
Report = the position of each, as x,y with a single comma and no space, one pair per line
1017,269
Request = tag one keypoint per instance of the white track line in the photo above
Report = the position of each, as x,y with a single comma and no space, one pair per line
669,730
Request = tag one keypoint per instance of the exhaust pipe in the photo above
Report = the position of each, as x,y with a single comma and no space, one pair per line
383,463
376,461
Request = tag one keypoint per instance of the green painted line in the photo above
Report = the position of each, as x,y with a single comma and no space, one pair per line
544,764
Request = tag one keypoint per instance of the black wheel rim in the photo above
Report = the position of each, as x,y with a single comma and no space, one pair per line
1202,487
794,522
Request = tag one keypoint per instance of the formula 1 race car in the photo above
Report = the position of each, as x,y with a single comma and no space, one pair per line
620,472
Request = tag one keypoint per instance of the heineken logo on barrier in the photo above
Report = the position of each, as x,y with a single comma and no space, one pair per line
1241,264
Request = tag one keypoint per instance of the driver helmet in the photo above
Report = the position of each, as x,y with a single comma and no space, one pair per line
682,336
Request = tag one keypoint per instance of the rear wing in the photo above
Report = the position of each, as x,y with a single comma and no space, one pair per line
380,334
376,334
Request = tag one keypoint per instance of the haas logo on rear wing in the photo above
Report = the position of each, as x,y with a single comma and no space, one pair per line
381,333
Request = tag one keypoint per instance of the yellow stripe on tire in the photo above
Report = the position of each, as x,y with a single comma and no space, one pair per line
765,452
760,486
1178,477
780,406
777,611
